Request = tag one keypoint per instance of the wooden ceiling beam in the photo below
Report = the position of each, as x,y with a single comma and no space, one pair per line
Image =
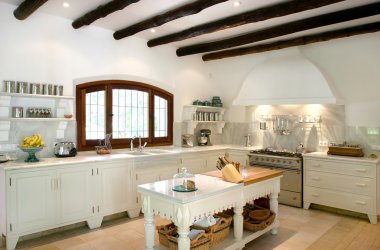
182,11
27,8
320,37
101,11
257,15
285,29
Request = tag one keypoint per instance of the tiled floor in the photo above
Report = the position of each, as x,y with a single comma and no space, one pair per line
299,229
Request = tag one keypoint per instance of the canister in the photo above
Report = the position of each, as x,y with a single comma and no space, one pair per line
200,116
60,90
45,89
206,116
35,88
9,86
216,114
212,116
22,87
55,89
17,112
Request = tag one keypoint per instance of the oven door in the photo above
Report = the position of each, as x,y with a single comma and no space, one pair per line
290,185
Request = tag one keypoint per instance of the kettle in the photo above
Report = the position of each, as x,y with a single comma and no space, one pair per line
65,149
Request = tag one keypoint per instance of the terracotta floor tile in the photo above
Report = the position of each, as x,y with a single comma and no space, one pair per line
67,243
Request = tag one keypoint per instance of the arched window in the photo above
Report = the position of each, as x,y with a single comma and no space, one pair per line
126,109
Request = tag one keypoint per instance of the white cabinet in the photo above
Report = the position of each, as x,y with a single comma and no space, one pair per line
201,162
194,165
31,200
74,186
42,199
116,187
342,182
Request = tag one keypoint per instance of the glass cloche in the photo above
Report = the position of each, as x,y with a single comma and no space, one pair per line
184,181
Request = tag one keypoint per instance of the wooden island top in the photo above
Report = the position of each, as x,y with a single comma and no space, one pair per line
255,174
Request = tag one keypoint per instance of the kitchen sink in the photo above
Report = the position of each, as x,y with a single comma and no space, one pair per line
158,151
131,153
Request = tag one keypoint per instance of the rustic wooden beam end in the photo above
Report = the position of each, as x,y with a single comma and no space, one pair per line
27,8
257,15
285,29
320,37
101,11
182,11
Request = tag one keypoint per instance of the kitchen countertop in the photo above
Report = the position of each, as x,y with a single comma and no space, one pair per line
324,155
118,154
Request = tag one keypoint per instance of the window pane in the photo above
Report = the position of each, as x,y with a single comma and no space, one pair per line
95,114
160,117
129,113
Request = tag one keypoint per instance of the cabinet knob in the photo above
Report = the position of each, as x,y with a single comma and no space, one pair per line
315,195
316,179
361,170
361,202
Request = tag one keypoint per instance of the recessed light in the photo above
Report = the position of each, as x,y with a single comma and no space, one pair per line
66,4
152,30
237,3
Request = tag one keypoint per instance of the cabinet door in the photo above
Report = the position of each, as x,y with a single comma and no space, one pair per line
116,188
167,173
74,187
31,200
211,162
194,165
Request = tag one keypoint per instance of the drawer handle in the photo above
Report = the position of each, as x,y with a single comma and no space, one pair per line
360,184
316,179
286,184
315,195
361,202
362,170
316,165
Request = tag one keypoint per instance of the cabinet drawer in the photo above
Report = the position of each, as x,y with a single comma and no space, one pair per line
290,198
348,168
338,199
339,182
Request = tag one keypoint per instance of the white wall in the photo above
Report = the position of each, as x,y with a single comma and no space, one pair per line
47,49
351,65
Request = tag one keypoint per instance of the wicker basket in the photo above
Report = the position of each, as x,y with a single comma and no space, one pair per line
254,226
220,230
346,151
164,231
200,242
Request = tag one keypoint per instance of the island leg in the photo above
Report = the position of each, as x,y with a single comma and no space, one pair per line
238,222
149,230
183,239
273,202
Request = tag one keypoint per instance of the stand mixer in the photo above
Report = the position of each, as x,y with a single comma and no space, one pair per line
204,139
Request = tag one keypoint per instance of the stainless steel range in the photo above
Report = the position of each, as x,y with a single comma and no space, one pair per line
288,162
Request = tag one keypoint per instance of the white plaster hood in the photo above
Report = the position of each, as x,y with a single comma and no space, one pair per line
286,77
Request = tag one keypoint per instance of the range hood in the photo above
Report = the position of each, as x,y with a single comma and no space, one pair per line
286,77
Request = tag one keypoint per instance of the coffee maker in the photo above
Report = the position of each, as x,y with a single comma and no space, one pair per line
204,139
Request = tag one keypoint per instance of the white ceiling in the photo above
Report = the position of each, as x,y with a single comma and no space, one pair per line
148,8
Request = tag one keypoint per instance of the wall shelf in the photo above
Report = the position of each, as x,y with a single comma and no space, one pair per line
37,119
36,96
190,111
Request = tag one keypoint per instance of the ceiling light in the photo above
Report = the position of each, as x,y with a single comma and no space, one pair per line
237,3
66,4
152,30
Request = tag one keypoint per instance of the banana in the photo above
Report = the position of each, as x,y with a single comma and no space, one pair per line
33,141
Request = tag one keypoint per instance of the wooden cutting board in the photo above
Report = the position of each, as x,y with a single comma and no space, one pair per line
255,174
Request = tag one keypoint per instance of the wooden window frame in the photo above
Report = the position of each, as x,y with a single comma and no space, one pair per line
108,85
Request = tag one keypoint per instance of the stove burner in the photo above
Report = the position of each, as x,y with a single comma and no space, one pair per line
270,151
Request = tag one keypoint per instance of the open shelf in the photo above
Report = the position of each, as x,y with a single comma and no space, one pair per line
38,119
189,111
36,96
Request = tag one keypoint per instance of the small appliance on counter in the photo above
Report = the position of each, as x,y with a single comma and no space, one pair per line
204,138
187,140
65,149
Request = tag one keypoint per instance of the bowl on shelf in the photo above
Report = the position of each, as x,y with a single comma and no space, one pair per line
32,153
68,116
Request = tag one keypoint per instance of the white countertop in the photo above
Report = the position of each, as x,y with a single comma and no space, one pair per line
324,155
207,186
117,154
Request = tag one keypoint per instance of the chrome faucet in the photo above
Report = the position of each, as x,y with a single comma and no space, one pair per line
132,148
248,140
141,146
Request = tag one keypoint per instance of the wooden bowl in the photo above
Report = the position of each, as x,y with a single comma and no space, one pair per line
259,215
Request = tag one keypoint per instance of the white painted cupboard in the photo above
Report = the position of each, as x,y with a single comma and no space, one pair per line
342,182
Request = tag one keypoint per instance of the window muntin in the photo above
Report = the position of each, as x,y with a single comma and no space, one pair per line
141,121
95,113
130,113
160,117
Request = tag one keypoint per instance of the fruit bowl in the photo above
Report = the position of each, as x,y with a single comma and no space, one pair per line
32,153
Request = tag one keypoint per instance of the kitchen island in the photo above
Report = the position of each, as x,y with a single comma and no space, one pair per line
213,195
